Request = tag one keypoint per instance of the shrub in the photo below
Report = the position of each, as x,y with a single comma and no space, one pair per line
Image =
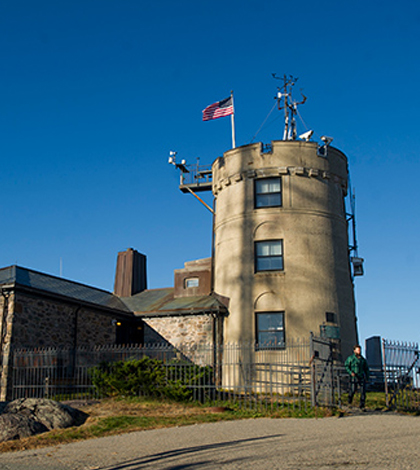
148,377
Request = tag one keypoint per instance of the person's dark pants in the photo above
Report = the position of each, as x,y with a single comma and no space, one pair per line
355,383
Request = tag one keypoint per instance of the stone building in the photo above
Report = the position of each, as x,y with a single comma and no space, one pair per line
43,311
188,314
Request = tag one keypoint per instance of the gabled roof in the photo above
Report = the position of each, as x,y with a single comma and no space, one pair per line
34,280
149,303
161,303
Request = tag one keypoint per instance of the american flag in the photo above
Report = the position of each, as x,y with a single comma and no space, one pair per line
219,109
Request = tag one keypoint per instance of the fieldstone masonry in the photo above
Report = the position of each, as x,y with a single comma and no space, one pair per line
50,323
30,321
185,330
192,335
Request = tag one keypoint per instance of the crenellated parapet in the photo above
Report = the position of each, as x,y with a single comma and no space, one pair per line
291,158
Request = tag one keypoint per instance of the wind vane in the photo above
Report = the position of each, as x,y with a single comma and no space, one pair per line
285,101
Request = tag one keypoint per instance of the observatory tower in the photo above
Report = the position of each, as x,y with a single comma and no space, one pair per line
281,242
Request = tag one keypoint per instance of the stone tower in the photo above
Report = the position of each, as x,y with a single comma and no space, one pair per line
281,244
281,257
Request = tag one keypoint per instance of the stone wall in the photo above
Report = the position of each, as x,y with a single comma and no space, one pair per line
42,322
4,321
6,303
36,321
95,328
184,330
192,335
152,337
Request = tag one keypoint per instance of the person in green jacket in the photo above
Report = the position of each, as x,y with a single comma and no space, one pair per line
358,369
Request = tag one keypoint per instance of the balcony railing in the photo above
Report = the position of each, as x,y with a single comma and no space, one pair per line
197,178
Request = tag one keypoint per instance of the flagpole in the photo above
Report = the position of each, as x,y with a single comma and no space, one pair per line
232,119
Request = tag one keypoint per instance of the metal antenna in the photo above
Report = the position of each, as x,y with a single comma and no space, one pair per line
352,219
290,107
353,249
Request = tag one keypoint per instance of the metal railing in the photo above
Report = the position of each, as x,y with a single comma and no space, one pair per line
304,374
401,364
243,374
197,177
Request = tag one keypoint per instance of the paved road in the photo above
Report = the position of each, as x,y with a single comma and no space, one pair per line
383,441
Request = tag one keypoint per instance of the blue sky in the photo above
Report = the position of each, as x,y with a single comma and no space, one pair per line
95,93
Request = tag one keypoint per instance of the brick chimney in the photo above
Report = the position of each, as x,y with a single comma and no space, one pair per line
130,275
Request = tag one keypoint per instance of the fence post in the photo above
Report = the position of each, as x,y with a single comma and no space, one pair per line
47,387
339,389
313,371
385,374
331,357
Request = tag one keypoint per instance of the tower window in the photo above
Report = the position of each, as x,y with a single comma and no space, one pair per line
191,282
270,330
330,317
267,192
269,255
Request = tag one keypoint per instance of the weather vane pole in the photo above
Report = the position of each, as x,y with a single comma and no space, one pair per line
290,107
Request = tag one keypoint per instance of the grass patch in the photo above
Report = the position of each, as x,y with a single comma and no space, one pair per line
375,401
122,415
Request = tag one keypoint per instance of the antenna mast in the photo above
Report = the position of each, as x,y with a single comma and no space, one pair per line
290,107
351,217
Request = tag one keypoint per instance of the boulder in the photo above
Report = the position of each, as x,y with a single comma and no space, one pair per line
29,416
15,427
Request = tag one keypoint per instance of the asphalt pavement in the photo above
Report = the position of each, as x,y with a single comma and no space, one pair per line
367,441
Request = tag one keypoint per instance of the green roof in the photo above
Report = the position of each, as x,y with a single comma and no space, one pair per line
161,302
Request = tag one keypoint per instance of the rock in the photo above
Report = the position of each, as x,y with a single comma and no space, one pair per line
29,416
15,427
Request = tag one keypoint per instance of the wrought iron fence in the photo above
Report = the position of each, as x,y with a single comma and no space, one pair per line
323,372
305,373
240,373
401,363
